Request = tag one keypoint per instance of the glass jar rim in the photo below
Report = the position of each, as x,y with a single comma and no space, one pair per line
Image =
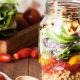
74,1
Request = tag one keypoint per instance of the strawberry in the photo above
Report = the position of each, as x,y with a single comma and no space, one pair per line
34,53
24,53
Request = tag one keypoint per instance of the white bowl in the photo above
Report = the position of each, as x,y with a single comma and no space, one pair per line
6,77
25,78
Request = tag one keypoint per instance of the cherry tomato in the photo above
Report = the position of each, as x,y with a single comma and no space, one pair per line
2,77
34,53
5,58
24,53
32,16
21,22
16,56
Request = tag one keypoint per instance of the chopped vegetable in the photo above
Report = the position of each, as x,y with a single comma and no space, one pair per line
74,59
43,61
65,54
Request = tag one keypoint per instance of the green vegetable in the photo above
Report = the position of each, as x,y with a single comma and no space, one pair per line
9,32
65,54
69,51
7,15
56,38
9,1
75,47
64,35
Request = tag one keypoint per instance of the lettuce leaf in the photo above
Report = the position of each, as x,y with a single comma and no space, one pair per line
69,51
65,54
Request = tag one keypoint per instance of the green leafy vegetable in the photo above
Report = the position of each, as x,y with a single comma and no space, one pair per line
65,54
7,15
69,51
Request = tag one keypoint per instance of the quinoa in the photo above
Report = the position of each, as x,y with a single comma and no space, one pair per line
61,76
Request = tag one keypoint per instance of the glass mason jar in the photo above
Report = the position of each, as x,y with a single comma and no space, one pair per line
59,40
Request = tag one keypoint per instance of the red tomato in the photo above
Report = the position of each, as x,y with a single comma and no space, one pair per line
62,65
21,22
32,16
74,68
34,53
24,53
5,58
2,77
16,56
55,66
52,61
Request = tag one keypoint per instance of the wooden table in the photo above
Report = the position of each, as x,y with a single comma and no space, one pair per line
22,67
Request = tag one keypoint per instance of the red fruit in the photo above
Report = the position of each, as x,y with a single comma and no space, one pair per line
62,65
16,56
5,58
34,53
52,61
74,68
2,77
21,22
32,16
24,53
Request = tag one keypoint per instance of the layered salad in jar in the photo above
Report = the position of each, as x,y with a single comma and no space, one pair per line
59,42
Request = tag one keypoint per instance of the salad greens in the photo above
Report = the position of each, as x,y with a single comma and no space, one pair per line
72,42
7,12
61,39
7,16
69,51
65,54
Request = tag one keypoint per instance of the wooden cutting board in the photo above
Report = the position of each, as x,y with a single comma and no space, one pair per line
21,39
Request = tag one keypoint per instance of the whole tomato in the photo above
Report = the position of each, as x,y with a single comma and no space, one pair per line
32,16
34,53
16,56
21,22
24,53
5,57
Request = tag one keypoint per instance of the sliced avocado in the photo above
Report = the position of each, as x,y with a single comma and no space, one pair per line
64,35
55,38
